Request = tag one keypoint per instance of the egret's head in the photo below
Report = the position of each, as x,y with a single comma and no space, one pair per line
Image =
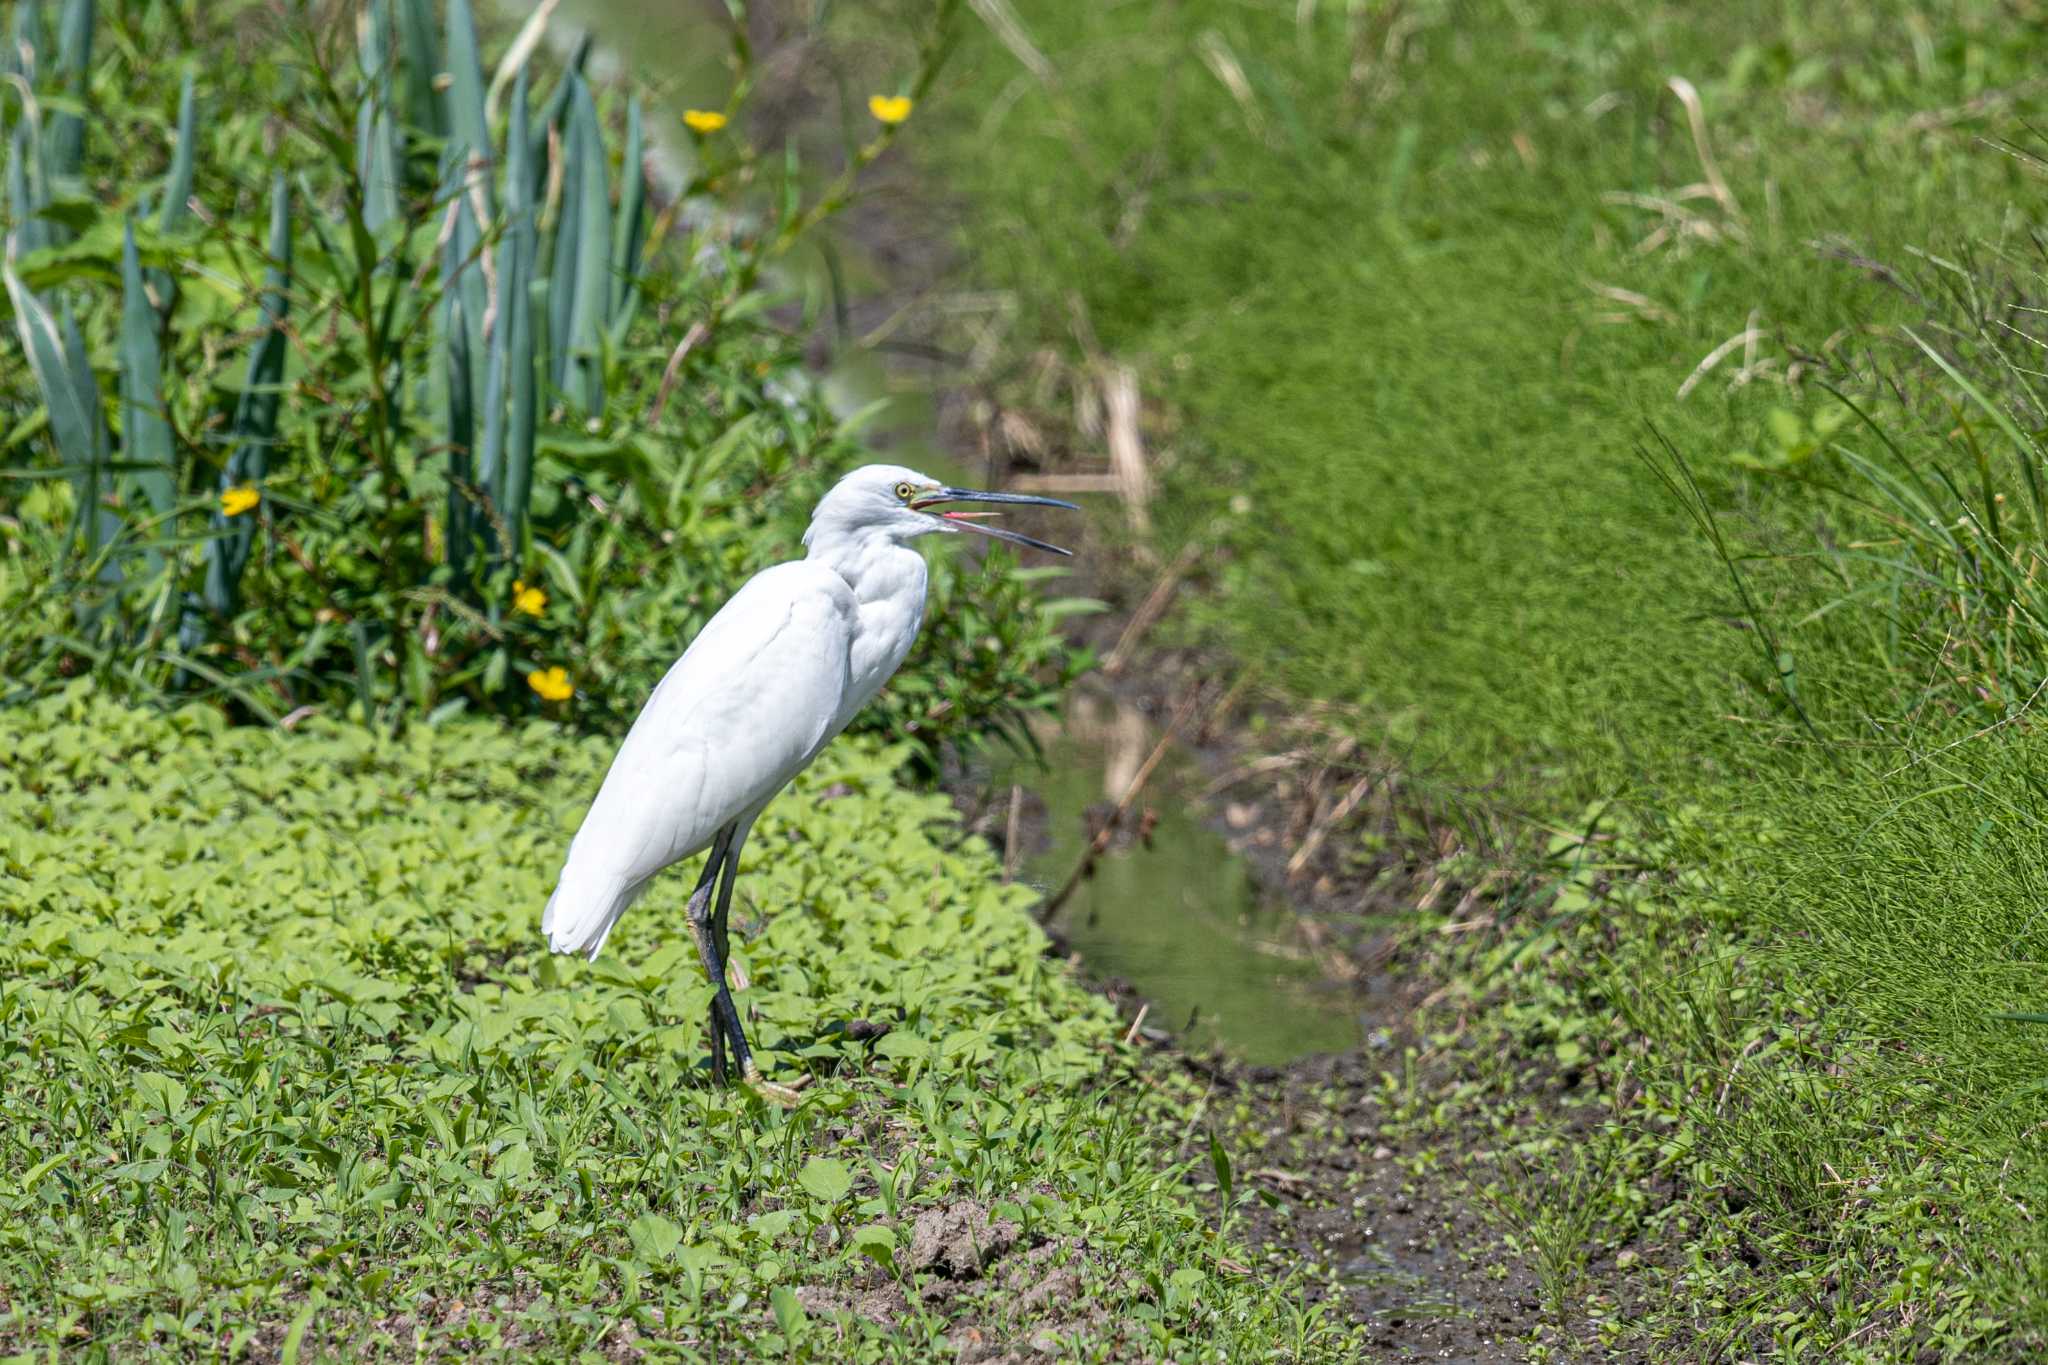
902,504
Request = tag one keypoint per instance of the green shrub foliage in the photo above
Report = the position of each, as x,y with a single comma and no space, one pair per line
351,384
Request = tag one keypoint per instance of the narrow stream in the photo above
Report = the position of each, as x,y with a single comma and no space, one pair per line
1176,915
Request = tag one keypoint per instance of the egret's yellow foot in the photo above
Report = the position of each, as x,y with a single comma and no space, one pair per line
772,1091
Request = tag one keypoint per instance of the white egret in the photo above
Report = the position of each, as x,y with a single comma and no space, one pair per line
767,683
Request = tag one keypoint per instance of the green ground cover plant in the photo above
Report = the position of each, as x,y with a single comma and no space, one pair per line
285,1068
1628,414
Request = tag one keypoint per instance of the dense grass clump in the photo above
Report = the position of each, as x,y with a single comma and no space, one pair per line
282,1058
1561,392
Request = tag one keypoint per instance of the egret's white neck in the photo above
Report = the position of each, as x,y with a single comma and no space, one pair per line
888,582
875,564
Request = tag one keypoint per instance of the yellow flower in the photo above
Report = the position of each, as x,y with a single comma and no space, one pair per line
532,601
552,683
239,499
704,121
889,108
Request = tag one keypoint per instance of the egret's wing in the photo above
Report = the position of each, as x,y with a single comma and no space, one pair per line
748,704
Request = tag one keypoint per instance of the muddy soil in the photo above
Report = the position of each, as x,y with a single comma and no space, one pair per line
1378,1216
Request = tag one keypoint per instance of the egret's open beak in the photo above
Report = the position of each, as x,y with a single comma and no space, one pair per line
966,520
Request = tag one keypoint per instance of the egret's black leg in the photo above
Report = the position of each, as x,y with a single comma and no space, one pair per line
719,924
724,1014
713,943
735,979
719,946
717,1024
724,1021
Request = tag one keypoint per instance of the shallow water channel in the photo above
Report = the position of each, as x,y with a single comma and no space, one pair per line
1177,915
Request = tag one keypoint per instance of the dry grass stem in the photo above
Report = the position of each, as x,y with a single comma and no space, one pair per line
691,340
1320,831
1126,449
1748,336
1151,609
1696,115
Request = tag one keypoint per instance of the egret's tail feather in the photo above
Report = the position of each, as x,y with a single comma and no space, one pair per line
581,913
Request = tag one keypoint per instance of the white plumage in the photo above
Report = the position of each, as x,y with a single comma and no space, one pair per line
750,703
779,671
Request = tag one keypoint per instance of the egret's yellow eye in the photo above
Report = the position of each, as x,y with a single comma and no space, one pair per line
904,490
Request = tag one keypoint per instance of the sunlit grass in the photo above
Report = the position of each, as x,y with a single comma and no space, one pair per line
282,1052
1422,289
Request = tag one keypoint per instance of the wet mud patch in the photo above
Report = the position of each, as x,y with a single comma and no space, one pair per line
1379,1222
997,1296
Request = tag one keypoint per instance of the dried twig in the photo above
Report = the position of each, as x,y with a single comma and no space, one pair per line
1224,65
1258,767
1009,30
1131,1033
528,39
1640,305
1748,336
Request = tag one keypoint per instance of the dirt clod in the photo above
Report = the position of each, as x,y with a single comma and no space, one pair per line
883,1304
959,1240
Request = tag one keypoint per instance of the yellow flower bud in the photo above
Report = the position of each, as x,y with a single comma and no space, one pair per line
889,108
552,684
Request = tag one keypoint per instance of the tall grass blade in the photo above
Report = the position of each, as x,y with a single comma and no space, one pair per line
1683,486
461,434
630,233
255,423
489,473
74,64
517,282
2027,453
421,52
582,343
562,270
101,523
510,292
468,126
172,213
557,105
145,433
56,358
27,194
27,49
462,269
378,163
